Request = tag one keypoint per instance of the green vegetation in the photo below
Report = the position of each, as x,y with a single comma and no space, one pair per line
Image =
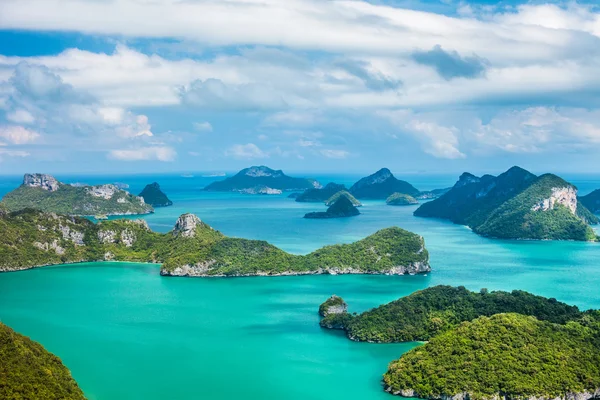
76,200
28,371
261,176
329,202
381,185
320,195
591,201
333,305
506,355
31,238
154,196
342,207
401,199
515,205
426,313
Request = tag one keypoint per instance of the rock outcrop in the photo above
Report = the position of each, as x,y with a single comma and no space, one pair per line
186,225
333,305
565,196
44,181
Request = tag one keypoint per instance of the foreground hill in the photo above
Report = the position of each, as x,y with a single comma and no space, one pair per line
515,205
426,313
381,185
153,195
31,239
45,193
28,371
264,178
509,356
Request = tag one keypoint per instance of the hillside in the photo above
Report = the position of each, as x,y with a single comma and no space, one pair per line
319,194
591,201
32,238
401,199
28,371
344,193
381,185
45,193
262,177
504,356
515,205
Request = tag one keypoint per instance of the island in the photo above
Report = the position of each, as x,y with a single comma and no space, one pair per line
432,194
505,356
591,201
429,312
32,238
381,185
346,194
47,194
515,205
260,190
342,208
29,371
261,177
154,196
401,199
320,194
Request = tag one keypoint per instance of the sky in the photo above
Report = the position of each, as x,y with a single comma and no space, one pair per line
130,86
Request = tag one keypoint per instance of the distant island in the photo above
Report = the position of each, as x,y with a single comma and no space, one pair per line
333,199
154,196
515,205
341,208
193,248
320,194
261,179
381,185
401,199
45,193
28,371
591,201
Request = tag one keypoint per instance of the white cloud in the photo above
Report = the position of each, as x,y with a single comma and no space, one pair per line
18,135
20,116
246,151
334,153
203,126
158,153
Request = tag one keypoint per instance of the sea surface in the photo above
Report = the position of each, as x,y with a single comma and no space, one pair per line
127,333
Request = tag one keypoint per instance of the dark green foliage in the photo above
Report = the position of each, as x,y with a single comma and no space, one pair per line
401,199
508,355
154,196
31,238
426,313
342,207
72,200
336,321
320,195
509,207
329,202
28,371
592,201
260,176
381,185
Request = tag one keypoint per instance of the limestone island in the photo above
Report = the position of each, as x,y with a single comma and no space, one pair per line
29,371
342,208
154,196
45,193
515,205
193,248
346,194
320,195
248,179
381,185
401,199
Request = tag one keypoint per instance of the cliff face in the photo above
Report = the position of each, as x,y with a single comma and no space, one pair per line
46,182
186,225
565,196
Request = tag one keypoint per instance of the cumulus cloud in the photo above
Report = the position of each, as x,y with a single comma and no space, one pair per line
152,153
18,135
246,151
20,116
450,64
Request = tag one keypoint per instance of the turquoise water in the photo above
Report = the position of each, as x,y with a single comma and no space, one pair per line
127,333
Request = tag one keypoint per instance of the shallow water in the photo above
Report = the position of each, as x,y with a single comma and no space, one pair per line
127,333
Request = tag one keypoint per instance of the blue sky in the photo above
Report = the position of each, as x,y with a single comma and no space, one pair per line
303,85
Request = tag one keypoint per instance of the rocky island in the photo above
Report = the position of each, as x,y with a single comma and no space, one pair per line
515,205
45,193
381,185
32,239
154,196
401,199
342,208
249,179
29,371
320,195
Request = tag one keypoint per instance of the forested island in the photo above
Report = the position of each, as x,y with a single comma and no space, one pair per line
153,195
341,208
45,193
381,185
261,179
515,205
32,238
